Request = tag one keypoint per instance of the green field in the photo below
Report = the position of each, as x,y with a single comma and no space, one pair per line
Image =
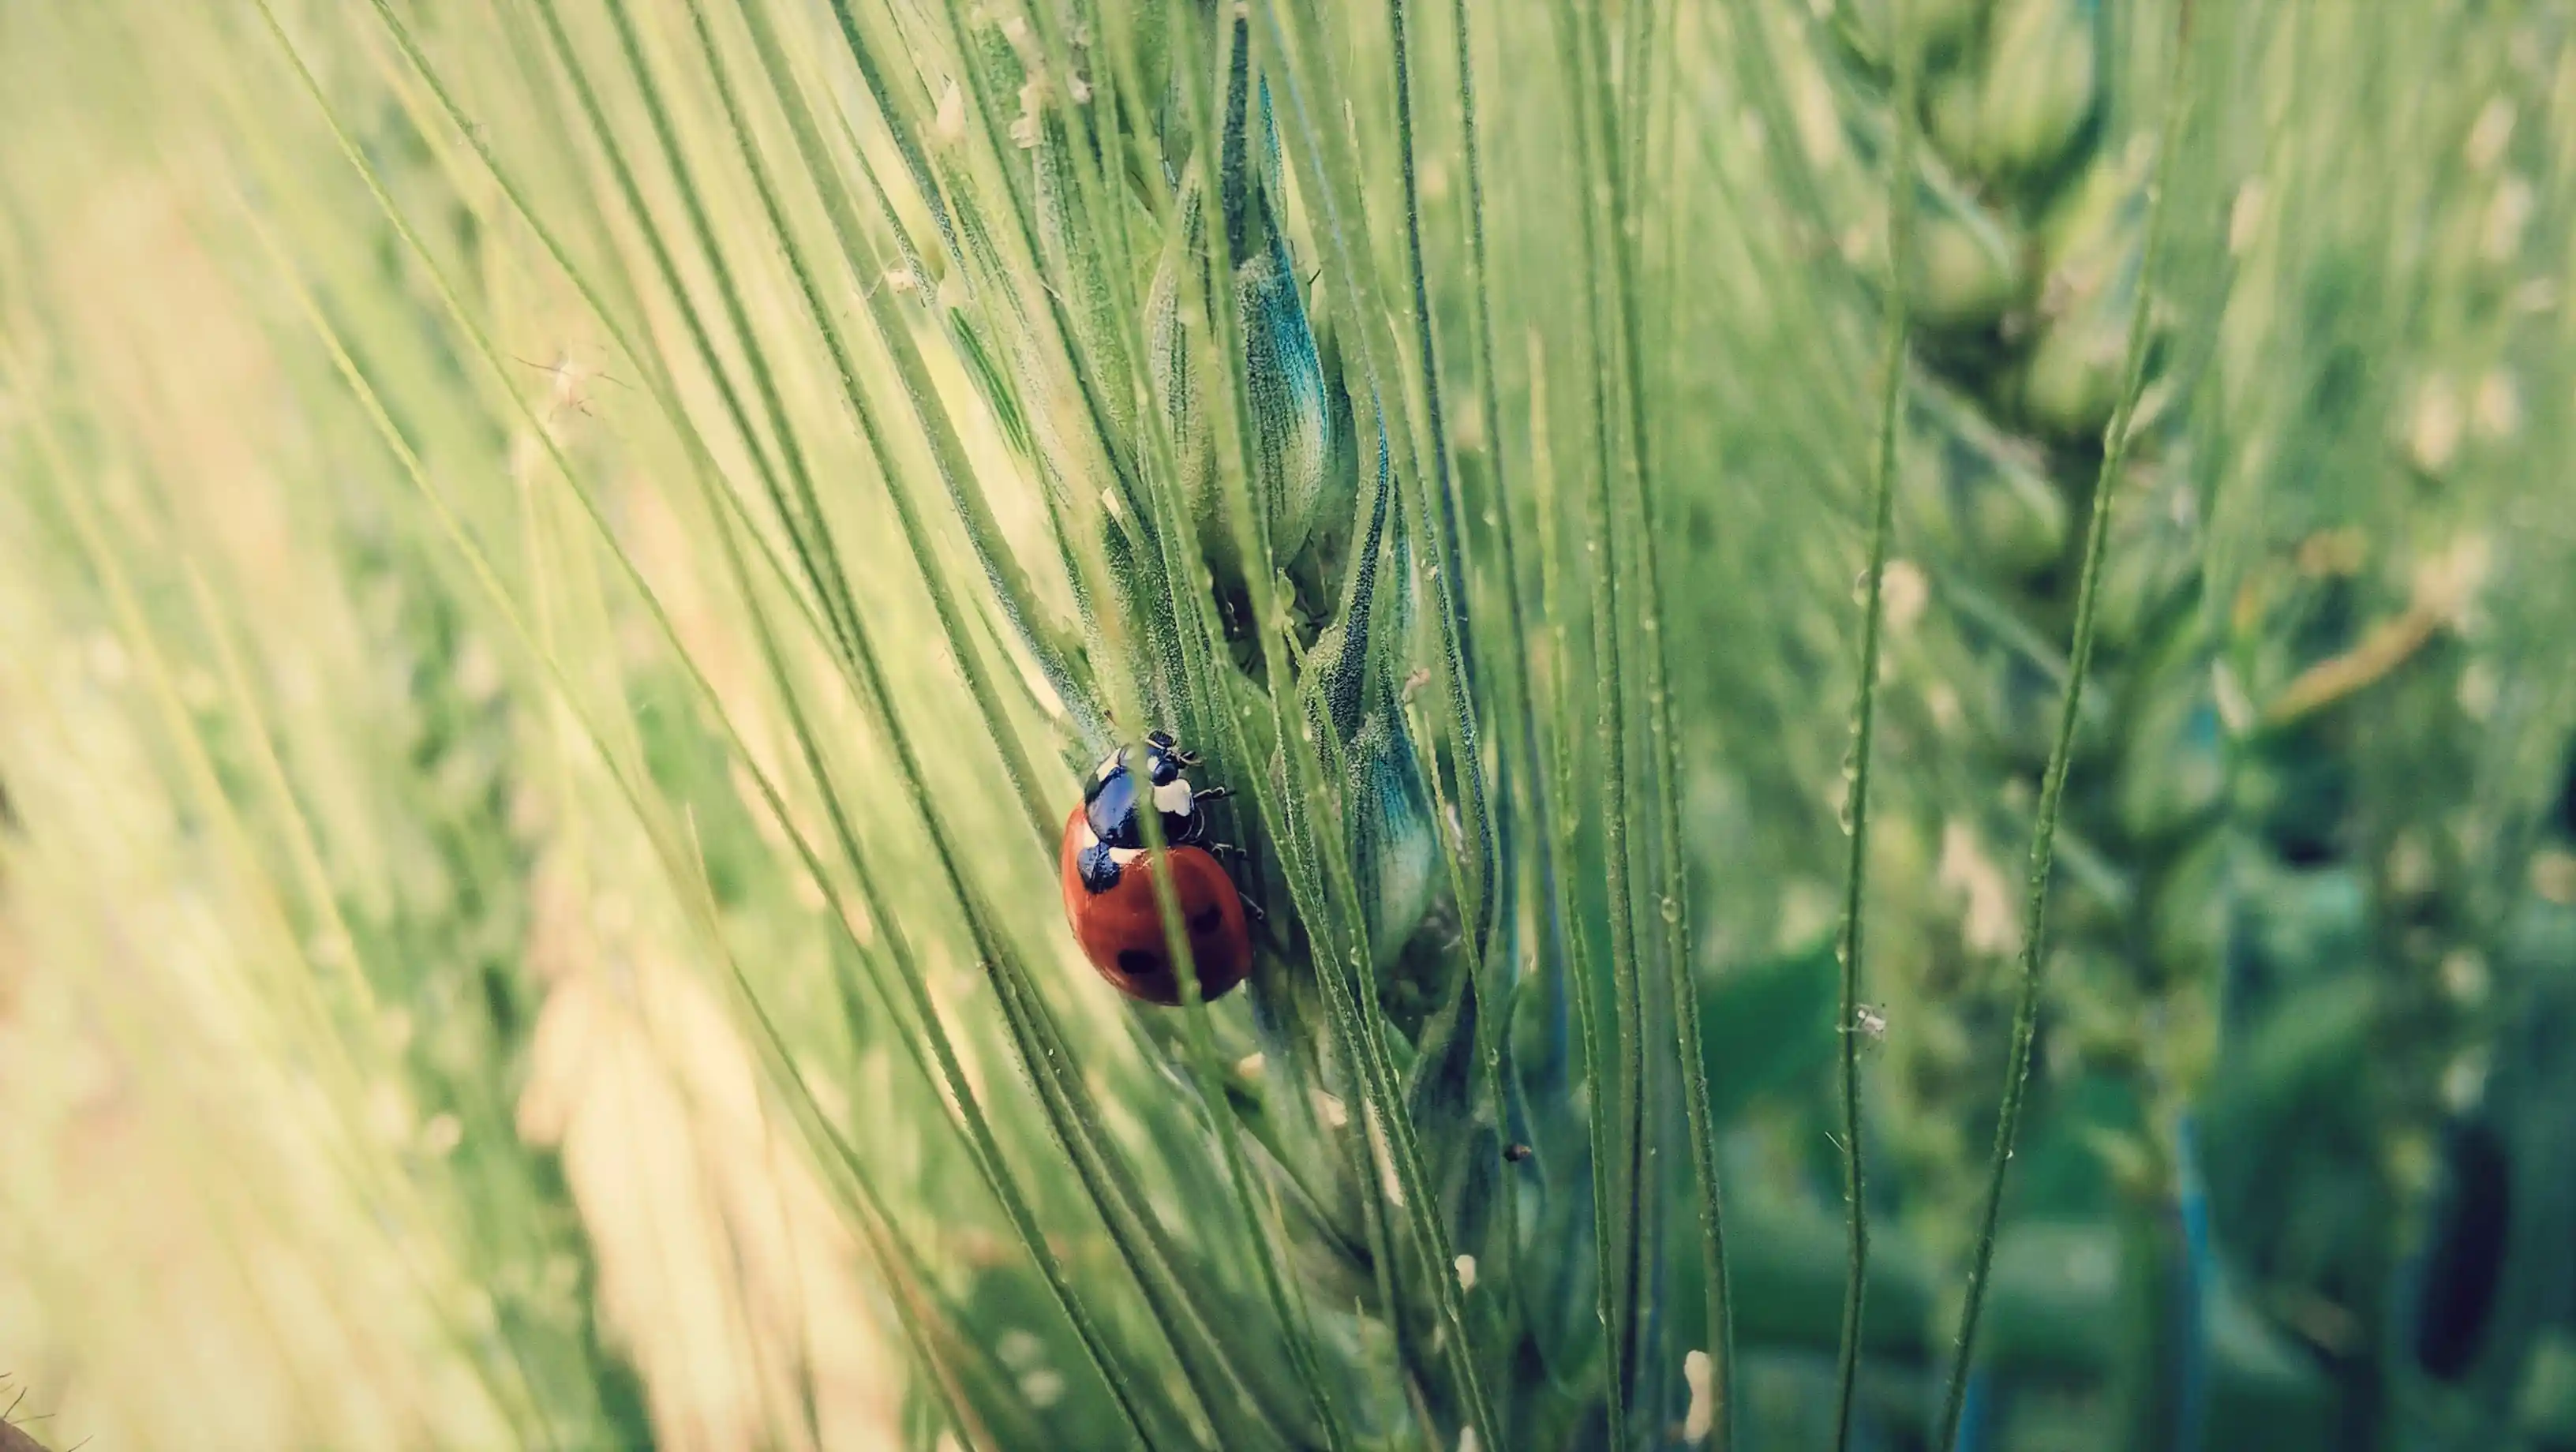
1898,679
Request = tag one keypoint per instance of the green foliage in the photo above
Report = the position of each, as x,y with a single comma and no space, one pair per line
563,565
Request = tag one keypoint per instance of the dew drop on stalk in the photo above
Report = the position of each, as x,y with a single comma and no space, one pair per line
1670,907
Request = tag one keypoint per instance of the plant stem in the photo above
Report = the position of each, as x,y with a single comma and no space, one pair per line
2115,448
1450,579
1891,407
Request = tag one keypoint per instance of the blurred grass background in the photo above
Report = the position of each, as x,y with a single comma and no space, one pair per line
432,1012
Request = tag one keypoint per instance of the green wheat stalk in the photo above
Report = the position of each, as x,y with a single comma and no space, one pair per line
1847,1024
2052,796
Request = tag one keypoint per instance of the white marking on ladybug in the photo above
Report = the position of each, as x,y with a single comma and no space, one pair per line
1119,856
1109,765
1173,797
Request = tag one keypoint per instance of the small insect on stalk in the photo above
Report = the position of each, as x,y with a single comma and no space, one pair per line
1109,869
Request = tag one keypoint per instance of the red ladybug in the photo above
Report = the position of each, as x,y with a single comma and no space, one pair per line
1109,893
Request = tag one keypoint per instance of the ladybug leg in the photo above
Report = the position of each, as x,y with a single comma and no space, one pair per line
1229,852
1210,794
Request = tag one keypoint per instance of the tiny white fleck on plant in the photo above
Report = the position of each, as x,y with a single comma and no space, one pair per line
1389,1183
1329,1109
1700,1372
2244,216
2505,219
2487,138
441,1135
948,127
1043,1388
1018,1349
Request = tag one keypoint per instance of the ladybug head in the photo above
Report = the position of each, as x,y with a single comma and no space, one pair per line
1164,758
1121,786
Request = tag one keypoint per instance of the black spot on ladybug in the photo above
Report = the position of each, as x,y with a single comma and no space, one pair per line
1137,963
1206,920
2464,1258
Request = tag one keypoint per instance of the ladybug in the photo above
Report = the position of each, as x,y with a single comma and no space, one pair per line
1109,893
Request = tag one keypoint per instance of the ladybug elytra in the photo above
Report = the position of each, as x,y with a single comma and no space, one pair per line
1109,876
